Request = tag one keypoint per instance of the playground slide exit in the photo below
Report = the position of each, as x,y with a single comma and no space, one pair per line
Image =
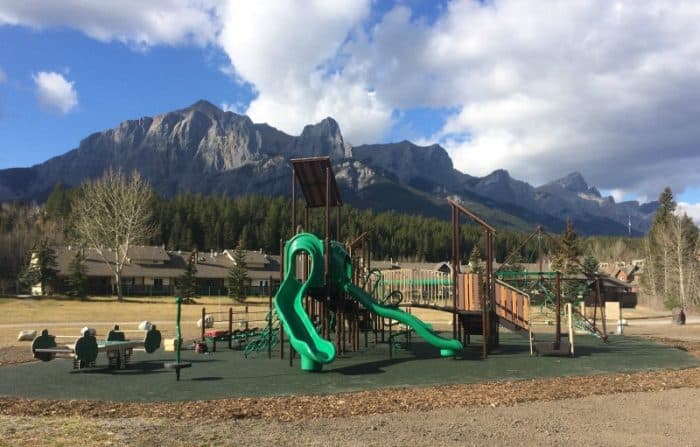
448,347
312,348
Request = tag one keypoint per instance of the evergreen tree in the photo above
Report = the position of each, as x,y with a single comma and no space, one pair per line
567,252
515,264
42,269
667,206
77,282
238,275
589,266
475,263
187,283
28,277
566,261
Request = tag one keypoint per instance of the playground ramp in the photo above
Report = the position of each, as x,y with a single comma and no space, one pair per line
448,347
513,308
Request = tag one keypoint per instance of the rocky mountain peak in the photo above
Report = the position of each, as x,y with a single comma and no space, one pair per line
498,175
205,107
201,148
573,182
323,138
326,127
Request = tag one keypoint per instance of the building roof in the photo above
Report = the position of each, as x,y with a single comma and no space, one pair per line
393,265
147,253
210,265
612,281
252,258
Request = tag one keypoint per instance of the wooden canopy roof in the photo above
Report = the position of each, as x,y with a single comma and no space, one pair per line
311,174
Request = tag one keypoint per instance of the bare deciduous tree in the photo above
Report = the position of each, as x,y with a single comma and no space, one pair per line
112,214
671,266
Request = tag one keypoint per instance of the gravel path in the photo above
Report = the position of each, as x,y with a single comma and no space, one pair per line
665,418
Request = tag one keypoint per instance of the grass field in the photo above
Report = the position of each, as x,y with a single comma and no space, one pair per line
66,317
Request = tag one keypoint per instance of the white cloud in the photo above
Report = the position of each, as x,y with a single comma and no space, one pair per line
691,209
55,93
135,22
539,88
546,88
292,56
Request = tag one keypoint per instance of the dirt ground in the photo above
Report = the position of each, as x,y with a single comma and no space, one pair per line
647,408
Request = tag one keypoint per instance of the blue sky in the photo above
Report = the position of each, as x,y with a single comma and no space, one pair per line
606,89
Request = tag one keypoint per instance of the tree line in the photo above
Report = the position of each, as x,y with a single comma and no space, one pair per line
195,222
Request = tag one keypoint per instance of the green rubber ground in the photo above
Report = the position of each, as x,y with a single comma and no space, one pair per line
228,374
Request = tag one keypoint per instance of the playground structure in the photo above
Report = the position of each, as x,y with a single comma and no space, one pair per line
326,286
85,349
317,287
243,327
549,290
313,349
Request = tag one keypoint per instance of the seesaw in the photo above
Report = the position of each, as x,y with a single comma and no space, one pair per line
85,349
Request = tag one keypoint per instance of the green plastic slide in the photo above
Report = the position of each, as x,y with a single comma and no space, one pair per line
312,348
448,347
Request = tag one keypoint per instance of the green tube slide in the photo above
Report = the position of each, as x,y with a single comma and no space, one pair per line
312,348
448,347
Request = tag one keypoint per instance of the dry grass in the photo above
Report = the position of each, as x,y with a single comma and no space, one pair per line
66,317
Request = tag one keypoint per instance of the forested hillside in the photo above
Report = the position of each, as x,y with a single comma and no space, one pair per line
191,221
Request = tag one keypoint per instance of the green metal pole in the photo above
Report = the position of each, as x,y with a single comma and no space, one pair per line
177,365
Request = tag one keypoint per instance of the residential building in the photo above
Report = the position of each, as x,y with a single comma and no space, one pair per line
151,270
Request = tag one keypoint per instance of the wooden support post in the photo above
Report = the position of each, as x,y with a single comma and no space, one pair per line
337,222
391,344
338,330
282,273
230,327
557,343
269,321
484,300
294,200
602,308
455,263
204,324
327,246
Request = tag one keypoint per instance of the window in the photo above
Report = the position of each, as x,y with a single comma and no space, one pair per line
157,283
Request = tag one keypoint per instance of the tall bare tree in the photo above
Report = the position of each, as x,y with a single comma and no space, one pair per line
683,236
671,267
112,214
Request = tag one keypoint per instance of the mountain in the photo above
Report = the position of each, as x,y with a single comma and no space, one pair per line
203,149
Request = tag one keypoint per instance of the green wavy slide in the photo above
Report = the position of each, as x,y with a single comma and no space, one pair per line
312,348
448,347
